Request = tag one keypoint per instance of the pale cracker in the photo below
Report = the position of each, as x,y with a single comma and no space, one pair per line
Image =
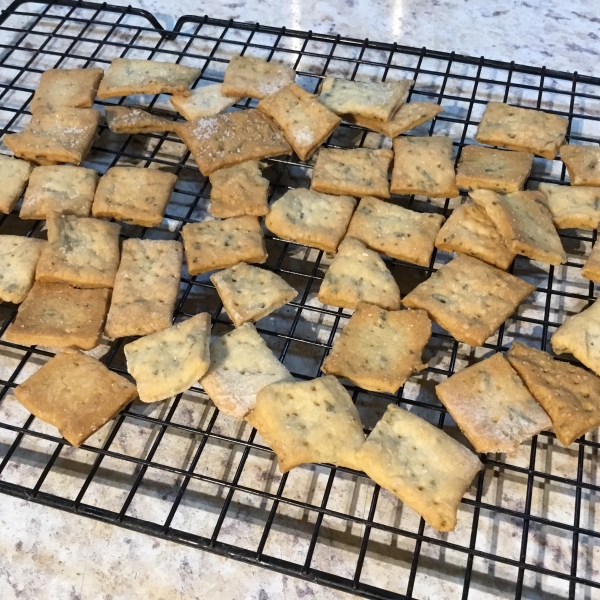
18,258
572,207
591,269
14,174
74,88
469,298
206,101
583,164
127,119
420,464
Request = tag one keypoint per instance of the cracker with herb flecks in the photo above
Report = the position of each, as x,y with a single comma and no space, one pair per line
583,164
572,207
14,174
128,119
591,269
206,101
18,258
74,88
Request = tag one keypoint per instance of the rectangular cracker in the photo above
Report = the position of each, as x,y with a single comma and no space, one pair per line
241,364
570,395
591,269
424,166
169,362
127,76
146,287
232,138
56,136
74,88
525,224
82,252
398,232
128,119
420,464
469,230
311,219
76,393
134,195
56,314
469,298
205,101
378,350
18,258
355,172
305,122
572,207
525,129
583,164
492,169
14,174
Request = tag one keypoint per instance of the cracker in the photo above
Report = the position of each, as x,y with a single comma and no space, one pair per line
469,230
169,362
253,77
14,174
134,195
82,252
583,164
491,169
312,219
424,166
127,76
65,189
591,269
372,99
239,190
56,314
18,258
572,207
309,422
398,232
492,406
420,464
56,136
570,395
221,244
76,393
525,224
74,88
206,101
146,288
241,364
232,138
378,350
469,298
305,122
249,293
355,172
524,129
127,119
358,274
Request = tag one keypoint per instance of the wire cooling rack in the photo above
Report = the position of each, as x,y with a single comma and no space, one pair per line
529,526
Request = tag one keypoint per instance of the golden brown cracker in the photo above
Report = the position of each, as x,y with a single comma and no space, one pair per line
14,174
74,88
205,101
583,164
19,256
572,207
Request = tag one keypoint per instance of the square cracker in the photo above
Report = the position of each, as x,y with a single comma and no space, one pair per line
76,393
239,190
82,252
371,99
306,123
14,174
355,172
378,350
241,364
358,274
232,138
58,136
146,287
312,219
128,119
56,314
74,88
491,406
572,207
18,257
65,189
169,362
583,164
205,101
134,195
591,269
220,244
309,422
253,77
525,224
250,293
524,129
420,464
469,298
424,166
127,76
491,169
469,230
398,232
570,395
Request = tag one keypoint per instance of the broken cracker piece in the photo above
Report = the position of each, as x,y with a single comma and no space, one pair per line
14,174
572,207
583,164
18,258
591,269
128,119
205,101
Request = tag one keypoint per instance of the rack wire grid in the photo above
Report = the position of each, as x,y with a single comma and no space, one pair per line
529,526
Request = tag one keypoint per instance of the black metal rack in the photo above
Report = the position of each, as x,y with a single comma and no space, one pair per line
530,526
